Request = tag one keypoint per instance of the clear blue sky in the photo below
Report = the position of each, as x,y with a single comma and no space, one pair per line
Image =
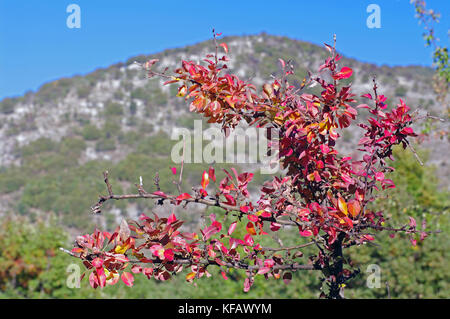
36,46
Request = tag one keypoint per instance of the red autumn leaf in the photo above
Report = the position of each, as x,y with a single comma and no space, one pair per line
157,250
205,180
379,176
346,178
247,284
127,278
121,258
232,228
101,276
345,73
248,240
97,262
93,280
263,270
244,209
183,197
412,222
148,272
333,134
230,200
136,269
203,193
408,131
225,47
172,218
269,263
423,235
275,226
168,254
317,177
354,208
77,250
324,148
212,174
305,233
211,230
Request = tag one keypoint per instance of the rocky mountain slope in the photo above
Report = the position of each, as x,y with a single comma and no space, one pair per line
116,117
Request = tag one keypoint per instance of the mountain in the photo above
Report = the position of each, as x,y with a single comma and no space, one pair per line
56,142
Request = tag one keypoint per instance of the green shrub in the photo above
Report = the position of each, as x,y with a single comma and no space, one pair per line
83,91
401,91
7,106
105,144
91,132
113,109
111,128
41,145
11,179
71,147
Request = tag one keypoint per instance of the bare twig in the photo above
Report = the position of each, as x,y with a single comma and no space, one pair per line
68,252
180,180
236,265
156,181
108,185
288,248
414,152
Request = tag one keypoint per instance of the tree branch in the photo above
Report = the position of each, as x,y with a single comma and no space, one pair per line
96,209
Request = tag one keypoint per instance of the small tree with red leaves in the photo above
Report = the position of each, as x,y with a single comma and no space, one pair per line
324,194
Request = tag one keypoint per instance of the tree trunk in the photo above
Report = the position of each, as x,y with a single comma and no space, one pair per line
337,278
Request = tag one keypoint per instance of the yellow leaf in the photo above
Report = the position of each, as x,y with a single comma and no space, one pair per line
342,206
279,120
190,276
182,91
121,249
324,127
